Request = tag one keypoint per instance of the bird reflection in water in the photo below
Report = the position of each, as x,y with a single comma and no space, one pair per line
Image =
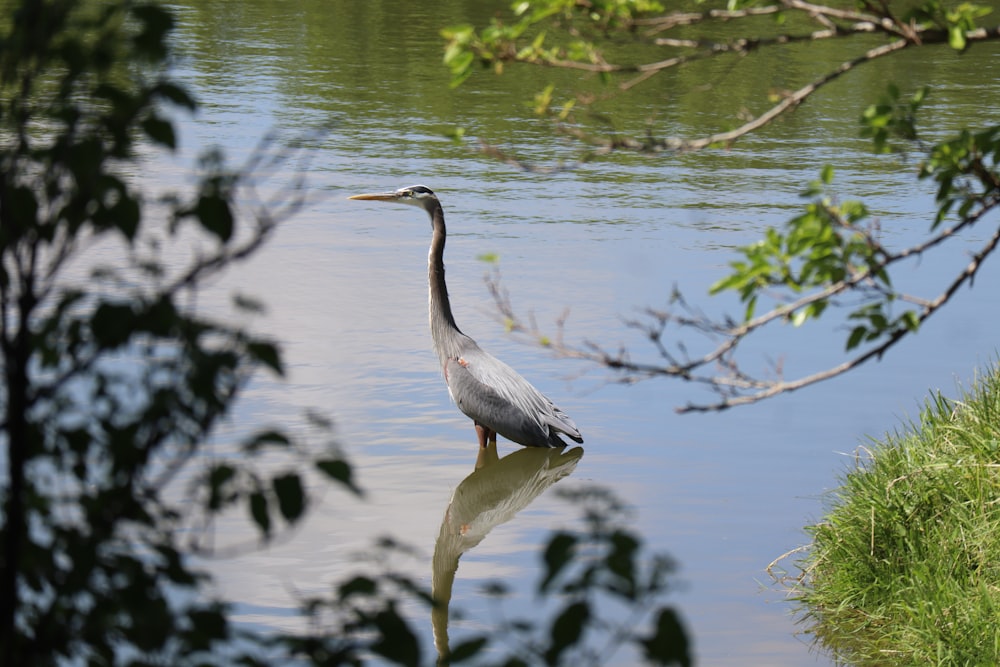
493,494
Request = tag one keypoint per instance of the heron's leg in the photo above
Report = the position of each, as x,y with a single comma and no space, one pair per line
486,435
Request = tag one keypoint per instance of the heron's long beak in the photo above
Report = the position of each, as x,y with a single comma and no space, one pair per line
379,196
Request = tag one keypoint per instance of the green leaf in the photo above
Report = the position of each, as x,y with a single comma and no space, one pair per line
956,37
160,131
248,304
215,215
494,589
340,471
467,649
176,94
264,438
456,133
668,645
126,214
621,562
159,318
23,208
174,567
156,22
396,641
267,354
567,630
112,324
211,624
319,421
826,174
750,309
218,477
911,320
732,281
461,68
359,585
257,503
558,554
291,496
858,334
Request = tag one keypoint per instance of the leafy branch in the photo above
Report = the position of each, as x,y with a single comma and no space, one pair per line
528,40
831,254
829,258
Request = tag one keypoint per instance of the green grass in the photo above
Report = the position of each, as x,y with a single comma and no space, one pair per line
905,567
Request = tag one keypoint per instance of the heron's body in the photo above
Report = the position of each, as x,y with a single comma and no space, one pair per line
490,392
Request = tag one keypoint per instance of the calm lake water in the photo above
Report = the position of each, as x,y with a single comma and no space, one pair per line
344,281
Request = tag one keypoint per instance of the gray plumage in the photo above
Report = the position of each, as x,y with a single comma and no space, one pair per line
490,392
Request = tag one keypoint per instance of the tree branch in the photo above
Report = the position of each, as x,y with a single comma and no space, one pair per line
857,263
966,276
904,34
735,386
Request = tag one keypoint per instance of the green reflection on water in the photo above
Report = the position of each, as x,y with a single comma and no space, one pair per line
377,66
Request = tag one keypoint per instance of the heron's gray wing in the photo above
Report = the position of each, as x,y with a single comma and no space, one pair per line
497,396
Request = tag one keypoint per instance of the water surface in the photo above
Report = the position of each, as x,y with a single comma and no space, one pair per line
725,494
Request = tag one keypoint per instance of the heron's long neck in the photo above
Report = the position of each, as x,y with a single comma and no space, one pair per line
443,327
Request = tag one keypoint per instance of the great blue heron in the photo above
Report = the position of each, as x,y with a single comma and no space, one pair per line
490,392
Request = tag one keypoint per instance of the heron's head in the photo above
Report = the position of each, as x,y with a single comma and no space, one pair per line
414,195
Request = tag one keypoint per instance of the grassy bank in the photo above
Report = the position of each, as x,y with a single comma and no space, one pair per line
905,566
